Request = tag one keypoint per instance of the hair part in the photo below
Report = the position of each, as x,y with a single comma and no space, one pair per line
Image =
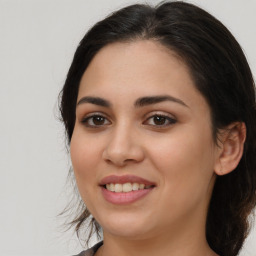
221,74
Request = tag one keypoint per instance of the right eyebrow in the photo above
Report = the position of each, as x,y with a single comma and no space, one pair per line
94,100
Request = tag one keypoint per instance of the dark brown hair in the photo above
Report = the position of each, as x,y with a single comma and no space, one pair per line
220,72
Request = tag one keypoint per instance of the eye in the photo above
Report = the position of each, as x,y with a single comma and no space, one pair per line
160,120
95,121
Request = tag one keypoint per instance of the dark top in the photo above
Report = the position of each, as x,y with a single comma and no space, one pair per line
91,251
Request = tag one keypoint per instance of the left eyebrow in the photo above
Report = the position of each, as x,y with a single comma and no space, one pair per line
149,100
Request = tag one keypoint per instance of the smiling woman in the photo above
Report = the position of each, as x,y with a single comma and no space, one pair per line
159,110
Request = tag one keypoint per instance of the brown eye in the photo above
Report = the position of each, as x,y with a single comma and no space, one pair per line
98,120
160,121
95,121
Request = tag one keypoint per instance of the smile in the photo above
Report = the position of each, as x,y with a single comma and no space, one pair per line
126,187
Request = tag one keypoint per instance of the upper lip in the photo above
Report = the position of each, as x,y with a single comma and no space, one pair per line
125,179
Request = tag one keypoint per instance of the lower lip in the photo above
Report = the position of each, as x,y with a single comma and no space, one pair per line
124,197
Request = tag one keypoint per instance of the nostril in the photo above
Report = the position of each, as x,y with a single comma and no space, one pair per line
122,152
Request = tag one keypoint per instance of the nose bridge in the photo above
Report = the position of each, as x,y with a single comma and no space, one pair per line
122,135
123,144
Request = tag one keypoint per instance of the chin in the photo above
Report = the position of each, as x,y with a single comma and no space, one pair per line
125,227
129,234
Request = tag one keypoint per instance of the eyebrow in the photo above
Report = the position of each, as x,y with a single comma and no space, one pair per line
95,100
141,102
149,100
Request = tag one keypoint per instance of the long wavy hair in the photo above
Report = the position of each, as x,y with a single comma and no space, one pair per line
222,75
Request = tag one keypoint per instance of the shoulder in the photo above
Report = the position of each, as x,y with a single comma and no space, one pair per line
91,251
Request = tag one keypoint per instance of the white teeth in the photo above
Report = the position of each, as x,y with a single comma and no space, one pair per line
108,186
126,187
142,186
135,186
112,187
118,188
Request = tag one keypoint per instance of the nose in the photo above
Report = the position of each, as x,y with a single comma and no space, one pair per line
123,147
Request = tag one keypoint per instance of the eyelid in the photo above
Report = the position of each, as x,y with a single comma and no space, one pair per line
160,113
87,117
94,113
171,118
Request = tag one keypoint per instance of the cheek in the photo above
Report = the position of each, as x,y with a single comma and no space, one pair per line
185,165
185,158
84,156
84,150
80,154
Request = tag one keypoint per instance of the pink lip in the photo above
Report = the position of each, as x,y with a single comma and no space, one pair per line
125,197
124,179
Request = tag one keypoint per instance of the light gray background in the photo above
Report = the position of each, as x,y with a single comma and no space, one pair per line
37,42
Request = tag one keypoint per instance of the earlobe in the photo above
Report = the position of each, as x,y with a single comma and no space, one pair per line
231,148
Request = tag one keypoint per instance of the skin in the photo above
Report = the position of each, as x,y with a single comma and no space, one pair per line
180,157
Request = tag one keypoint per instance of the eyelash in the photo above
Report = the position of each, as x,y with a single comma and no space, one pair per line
170,121
89,118
166,118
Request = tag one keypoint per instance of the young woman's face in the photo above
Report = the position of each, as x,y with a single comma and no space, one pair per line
142,147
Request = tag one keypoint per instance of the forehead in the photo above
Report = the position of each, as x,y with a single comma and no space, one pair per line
138,68
124,58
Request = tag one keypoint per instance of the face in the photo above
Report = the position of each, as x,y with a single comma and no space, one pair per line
142,147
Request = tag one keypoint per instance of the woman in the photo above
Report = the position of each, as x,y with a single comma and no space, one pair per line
159,111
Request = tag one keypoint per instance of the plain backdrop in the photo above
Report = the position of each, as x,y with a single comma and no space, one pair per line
37,43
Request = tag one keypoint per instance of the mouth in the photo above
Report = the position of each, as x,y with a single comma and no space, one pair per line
125,189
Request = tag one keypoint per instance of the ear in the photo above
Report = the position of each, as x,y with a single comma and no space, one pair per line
231,148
